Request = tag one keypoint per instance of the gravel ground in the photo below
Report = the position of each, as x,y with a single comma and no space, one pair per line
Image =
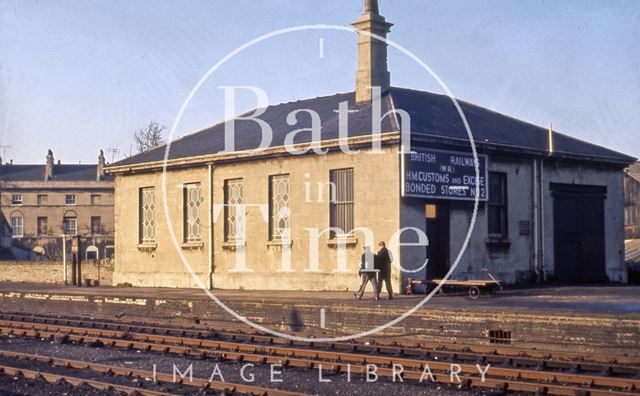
13,386
305,381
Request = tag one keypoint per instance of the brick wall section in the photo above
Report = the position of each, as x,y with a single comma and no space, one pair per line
51,272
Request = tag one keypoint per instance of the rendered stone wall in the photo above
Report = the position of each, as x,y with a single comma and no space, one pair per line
52,272
613,180
376,207
159,264
513,262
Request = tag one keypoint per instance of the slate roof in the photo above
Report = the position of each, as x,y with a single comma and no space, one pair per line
61,172
432,116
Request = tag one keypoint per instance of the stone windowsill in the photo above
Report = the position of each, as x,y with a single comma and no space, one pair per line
193,245
232,245
347,241
279,243
147,246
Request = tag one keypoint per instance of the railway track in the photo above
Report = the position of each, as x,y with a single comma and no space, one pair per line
568,360
162,378
510,368
76,381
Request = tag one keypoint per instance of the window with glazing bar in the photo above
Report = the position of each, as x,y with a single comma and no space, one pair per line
497,206
279,210
17,226
70,225
16,199
233,211
192,203
342,202
147,221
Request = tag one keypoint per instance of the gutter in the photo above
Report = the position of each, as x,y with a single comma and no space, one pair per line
519,150
252,154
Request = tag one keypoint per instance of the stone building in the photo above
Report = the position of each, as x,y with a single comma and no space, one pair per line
40,203
632,221
271,219
632,202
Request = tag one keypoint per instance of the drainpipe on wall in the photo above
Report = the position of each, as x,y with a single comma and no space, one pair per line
210,231
551,149
543,269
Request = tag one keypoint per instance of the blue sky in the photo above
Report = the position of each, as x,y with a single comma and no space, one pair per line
76,76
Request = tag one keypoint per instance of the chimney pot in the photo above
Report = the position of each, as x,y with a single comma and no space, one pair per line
373,70
100,168
48,168
371,6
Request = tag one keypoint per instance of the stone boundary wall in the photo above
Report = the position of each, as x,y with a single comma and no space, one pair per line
52,272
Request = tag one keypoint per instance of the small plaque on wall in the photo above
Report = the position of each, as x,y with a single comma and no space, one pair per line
525,227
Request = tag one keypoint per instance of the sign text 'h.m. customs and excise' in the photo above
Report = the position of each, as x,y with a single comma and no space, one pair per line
438,174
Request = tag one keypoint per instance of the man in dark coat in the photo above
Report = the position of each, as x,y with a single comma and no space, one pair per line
383,264
368,274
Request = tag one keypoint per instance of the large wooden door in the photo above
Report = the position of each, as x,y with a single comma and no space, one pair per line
579,241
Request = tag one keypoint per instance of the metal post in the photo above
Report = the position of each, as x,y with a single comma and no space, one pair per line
64,259
79,270
210,229
73,270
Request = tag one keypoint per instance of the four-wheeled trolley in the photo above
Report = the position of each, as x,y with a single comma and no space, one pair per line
474,287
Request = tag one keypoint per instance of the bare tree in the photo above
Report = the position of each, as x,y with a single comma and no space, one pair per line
149,137
53,249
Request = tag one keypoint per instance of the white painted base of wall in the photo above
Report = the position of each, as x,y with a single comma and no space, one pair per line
250,281
178,280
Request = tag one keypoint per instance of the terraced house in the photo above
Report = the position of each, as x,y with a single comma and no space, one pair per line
40,203
551,207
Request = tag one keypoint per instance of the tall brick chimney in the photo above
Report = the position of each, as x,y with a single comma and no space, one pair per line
48,168
100,171
372,53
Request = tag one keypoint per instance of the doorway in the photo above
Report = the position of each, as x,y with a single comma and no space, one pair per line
579,246
437,219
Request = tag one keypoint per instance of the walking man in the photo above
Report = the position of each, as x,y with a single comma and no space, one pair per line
367,274
383,261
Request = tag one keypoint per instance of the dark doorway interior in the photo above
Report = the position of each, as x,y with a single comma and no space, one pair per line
437,217
579,242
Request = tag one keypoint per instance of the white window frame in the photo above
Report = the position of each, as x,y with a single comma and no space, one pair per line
342,202
16,199
70,199
147,222
279,208
67,228
192,203
234,219
17,230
